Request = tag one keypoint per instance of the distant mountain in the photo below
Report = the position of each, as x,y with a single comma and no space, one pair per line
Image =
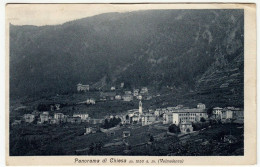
197,51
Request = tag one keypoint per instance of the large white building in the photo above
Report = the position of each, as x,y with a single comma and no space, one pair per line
192,115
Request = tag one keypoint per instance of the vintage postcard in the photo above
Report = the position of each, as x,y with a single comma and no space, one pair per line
130,84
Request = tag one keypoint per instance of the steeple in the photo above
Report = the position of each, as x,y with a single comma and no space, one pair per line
140,107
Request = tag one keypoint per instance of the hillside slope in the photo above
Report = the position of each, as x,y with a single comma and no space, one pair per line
191,50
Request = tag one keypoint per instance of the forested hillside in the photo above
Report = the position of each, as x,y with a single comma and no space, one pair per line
199,51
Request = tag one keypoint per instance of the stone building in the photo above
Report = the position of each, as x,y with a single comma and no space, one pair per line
186,127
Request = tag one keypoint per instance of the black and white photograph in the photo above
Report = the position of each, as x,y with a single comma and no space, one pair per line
148,82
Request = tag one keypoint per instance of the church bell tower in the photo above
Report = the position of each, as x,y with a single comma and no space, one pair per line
140,107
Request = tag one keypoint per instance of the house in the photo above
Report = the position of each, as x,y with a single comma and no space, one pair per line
96,121
28,118
224,85
44,117
134,119
230,139
53,121
108,95
217,112
111,116
73,119
83,116
186,127
126,134
46,112
59,117
20,108
83,88
95,129
118,97
148,97
127,97
122,84
110,133
144,90
57,106
167,118
52,107
89,130
201,106
227,114
148,119
233,113
139,97
136,92
113,88
171,108
91,101
179,106
36,113
158,112
128,92
151,111
16,122
164,110
238,114
126,119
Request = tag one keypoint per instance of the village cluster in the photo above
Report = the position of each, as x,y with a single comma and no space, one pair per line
121,127
115,93
181,116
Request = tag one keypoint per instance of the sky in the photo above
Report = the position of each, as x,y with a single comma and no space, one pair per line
53,14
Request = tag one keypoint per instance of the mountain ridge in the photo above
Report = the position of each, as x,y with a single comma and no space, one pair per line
161,48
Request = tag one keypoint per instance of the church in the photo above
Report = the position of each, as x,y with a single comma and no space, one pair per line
139,116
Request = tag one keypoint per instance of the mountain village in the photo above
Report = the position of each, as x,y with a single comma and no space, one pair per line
177,120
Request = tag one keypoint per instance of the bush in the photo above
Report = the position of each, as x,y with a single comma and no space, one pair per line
202,119
199,125
109,123
151,139
174,129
